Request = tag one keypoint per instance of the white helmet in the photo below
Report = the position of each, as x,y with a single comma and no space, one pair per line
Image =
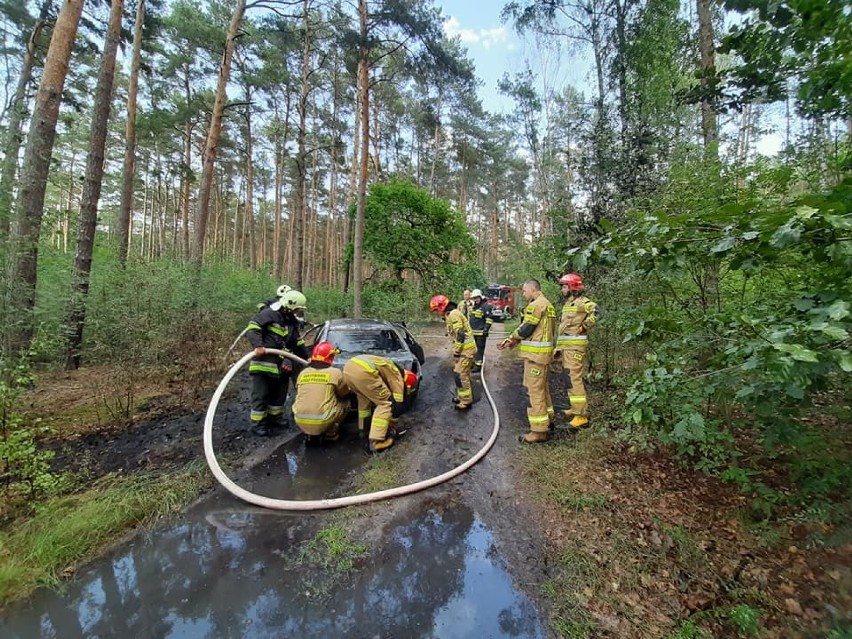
476,293
282,290
293,300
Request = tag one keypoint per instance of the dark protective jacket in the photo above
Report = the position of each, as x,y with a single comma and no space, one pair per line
480,318
274,328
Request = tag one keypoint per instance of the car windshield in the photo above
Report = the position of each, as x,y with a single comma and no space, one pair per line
493,293
354,341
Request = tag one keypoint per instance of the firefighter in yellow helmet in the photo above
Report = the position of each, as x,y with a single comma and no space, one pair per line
579,316
536,338
464,348
322,396
379,384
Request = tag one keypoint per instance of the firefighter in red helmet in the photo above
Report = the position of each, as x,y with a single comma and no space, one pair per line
464,348
322,396
579,316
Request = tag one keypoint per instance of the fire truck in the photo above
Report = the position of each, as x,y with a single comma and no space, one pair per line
502,300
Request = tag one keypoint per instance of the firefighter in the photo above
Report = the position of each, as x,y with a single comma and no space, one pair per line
535,336
379,384
275,326
579,315
464,348
466,302
280,292
480,320
322,396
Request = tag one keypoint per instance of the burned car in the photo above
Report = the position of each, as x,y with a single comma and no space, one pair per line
376,337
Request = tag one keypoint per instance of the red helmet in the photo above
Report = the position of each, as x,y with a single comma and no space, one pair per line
410,380
438,303
574,281
324,352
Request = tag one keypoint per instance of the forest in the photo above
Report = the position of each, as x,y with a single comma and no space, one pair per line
167,164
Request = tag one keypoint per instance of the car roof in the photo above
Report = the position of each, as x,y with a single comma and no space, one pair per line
357,324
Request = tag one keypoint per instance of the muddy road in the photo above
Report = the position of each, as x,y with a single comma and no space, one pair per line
459,560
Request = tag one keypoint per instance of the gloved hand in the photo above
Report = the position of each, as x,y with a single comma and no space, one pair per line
396,409
456,356
259,351
287,366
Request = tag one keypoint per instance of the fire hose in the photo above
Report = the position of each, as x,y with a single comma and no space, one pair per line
337,502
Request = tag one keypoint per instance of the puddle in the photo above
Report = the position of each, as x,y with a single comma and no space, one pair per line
227,570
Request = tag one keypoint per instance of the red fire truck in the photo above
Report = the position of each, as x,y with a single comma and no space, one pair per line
502,300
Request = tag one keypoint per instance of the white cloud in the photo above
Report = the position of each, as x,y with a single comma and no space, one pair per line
486,38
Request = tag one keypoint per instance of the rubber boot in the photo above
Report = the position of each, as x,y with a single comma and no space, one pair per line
378,445
260,430
534,437
579,422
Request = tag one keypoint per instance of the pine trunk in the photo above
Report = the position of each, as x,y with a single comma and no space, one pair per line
36,166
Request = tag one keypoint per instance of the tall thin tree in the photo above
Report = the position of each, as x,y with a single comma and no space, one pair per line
23,274
76,316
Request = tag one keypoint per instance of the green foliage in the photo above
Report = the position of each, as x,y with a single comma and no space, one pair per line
744,311
24,464
406,228
807,41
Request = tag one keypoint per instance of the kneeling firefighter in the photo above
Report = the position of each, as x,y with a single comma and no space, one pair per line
381,385
322,395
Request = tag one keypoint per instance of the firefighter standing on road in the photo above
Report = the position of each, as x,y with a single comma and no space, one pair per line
378,382
480,320
579,315
464,348
535,336
275,326
322,396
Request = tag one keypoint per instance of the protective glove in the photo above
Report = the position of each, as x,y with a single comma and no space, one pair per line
396,409
287,366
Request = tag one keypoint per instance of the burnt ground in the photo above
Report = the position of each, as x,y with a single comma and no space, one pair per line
627,531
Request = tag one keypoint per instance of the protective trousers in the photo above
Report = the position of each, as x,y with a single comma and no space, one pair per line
536,381
372,391
574,361
461,374
328,426
268,394
480,350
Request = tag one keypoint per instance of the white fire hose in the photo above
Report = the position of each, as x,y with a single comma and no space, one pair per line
323,504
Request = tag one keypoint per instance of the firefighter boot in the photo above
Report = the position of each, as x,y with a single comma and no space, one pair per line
534,437
579,422
378,445
459,406
331,435
260,430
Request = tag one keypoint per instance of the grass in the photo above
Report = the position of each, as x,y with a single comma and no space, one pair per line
332,549
46,547
380,473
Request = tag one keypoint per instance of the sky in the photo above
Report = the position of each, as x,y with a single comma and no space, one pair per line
495,48
492,45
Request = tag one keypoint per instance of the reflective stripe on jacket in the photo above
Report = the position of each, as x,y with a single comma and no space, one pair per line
538,346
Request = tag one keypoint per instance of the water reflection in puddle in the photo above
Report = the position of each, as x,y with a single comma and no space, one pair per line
231,571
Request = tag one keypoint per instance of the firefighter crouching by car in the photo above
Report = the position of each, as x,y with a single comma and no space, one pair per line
322,396
275,326
579,316
379,384
535,336
480,320
464,348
